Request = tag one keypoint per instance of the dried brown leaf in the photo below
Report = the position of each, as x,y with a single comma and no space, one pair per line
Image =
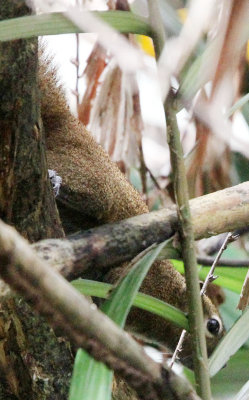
96,64
232,45
116,116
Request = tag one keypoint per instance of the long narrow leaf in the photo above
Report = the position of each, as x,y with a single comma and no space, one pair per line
239,104
143,301
233,340
57,23
92,379
229,278
122,296
243,393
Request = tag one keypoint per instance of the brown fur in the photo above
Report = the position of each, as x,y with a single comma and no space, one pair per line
92,183
94,187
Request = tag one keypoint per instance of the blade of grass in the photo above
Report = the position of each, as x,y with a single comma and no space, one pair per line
91,379
229,345
57,23
170,18
86,373
239,104
143,301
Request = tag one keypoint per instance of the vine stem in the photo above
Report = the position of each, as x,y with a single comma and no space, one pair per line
196,321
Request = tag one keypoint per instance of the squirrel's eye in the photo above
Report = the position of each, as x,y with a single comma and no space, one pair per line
213,326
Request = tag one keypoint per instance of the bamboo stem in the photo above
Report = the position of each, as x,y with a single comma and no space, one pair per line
186,231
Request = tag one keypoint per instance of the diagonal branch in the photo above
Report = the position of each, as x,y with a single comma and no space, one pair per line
112,244
65,309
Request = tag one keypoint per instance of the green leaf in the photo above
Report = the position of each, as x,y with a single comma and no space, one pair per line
243,393
86,373
230,278
239,104
122,296
143,301
245,112
92,379
170,18
57,23
233,340
228,310
240,168
229,380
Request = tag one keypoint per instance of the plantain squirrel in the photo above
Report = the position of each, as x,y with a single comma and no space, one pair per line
93,192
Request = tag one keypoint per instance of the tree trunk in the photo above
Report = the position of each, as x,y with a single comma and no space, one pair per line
34,364
26,198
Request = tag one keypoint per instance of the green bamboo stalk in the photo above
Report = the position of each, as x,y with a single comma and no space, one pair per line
196,321
156,23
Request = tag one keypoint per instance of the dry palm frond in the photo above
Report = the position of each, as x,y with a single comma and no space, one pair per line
111,106
96,64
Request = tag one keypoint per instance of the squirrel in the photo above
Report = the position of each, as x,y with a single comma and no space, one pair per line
93,192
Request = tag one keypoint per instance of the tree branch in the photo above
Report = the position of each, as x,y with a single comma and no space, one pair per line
112,244
65,309
223,262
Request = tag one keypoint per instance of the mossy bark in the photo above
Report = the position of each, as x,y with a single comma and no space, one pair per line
34,364
26,198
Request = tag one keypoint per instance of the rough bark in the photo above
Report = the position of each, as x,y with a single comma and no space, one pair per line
34,364
65,309
26,198
101,248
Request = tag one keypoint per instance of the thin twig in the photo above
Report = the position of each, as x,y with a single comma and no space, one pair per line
77,64
244,295
209,278
225,262
162,192
178,347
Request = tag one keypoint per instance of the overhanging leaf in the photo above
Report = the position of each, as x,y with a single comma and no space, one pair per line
57,23
143,301
92,379
233,340
120,301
